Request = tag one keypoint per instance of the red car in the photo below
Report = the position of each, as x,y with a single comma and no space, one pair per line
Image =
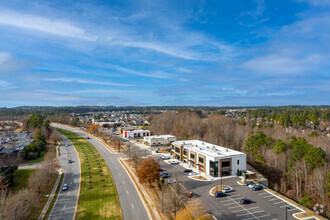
88,138
160,169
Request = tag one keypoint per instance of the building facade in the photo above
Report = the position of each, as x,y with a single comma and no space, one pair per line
159,140
209,158
136,133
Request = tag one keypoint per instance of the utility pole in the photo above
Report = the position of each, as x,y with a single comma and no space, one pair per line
286,212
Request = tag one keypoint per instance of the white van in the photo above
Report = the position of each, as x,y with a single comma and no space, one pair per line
165,156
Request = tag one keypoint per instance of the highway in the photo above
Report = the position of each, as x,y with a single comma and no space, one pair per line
130,201
66,201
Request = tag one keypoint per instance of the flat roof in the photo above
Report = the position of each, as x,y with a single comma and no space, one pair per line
207,148
160,136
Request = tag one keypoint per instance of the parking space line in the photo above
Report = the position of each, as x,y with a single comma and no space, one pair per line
242,210
273,199
257,211
294,209
230,203
279,202
263,216
264,193
284,206
243,214
267,196
233,207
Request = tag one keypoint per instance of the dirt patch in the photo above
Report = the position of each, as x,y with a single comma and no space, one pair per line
198,178
109,210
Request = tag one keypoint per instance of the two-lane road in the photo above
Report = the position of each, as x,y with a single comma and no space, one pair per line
130,201
66,202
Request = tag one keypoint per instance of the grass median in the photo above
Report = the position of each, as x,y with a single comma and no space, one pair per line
98,197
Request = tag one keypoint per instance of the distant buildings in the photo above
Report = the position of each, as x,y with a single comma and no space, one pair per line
159,140
209,158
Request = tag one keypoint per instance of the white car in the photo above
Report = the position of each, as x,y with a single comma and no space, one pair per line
227,190
252,185
169,181
173,162
193,174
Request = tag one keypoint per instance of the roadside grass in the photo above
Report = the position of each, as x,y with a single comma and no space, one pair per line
98,194
37,160
54,197
21,179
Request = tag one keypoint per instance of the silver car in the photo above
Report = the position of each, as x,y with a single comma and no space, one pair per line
227,190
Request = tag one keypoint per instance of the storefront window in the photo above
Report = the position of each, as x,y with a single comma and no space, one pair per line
214,168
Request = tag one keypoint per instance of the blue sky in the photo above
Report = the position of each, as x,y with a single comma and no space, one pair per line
215,53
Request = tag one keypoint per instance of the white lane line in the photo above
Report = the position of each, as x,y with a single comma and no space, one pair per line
279,202
225,200
127,192
242,210
132,205
273,199
263,193
294,209
230,203
233,207
284,206
243,214
262,216
123,182
267,196
257,211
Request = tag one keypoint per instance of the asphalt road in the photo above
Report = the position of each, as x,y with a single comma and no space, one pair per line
130,201
265,206
66,202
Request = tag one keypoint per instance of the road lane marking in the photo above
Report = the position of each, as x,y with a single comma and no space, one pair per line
132,205
273,199
123,182
127,192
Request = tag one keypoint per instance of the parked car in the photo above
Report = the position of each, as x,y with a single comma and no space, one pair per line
193,174
174,162
248,183
187,170
245,201
160,169
257,187
88,138
165,156
171,181
164,175
65,187
219,194
252,185
70,161
227,190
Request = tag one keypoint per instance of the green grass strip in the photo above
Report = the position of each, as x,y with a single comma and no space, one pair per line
98,197
54,197
22,179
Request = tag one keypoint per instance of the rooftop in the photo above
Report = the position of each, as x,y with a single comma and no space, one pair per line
160,136
207,148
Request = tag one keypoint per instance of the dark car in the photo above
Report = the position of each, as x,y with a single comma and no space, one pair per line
88,138
65,187
70,161
257,187
164,175
246,201
219,194
248,183
160,169
187,170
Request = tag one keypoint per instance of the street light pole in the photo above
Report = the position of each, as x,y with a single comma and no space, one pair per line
286,212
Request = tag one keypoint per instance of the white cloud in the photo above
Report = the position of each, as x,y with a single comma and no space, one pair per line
47,25
316,2
83,81
10,64
283,64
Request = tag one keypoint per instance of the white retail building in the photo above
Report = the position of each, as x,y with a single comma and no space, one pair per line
159,140
136,133
209,158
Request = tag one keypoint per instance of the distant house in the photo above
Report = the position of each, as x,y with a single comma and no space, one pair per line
159,140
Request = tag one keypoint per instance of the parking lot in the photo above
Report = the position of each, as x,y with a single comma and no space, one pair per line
11,141
265,205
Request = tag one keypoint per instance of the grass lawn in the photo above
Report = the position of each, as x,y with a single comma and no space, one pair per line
21,179
98,194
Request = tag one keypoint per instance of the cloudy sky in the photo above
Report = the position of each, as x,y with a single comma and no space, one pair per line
149,52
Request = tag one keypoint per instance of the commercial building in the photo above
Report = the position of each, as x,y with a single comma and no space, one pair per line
208,158
135,133
159,140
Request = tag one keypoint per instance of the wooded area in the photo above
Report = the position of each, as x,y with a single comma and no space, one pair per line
294,162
